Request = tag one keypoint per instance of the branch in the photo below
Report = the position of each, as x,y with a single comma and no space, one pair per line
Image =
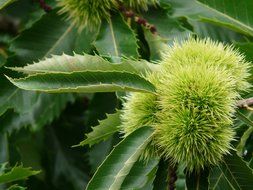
245,103
139,20
44,6
172,177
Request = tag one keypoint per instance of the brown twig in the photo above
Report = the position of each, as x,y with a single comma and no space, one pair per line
45,6
172,177
128,13
245,103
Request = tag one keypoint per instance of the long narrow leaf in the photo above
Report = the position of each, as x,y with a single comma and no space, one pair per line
87,82
111,174
67,63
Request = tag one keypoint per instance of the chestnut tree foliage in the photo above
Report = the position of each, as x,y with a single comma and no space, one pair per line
124,94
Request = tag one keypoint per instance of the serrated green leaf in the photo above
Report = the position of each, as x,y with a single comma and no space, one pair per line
113,171
50,35
67,63
116,39
34,113
234,171
142,174
84,82
32,44
17,173
104,130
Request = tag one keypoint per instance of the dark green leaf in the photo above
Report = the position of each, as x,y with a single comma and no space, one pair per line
246,48
224,13
161,180
215,32
116,39
113,171
140,175
50,35
168,29
247,133
233,172
3,148
167,26
33,112
197,180
230,13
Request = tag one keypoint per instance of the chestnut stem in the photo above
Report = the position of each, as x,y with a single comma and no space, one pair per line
172,177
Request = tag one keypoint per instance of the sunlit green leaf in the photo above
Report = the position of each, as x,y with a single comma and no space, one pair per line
17,173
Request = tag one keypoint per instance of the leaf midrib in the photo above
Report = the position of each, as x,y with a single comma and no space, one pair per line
133,155
250,30
232,175
113,38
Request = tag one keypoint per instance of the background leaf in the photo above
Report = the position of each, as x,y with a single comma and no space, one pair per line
234,173
104,130
4,3
197,181
116,39
17,173
230,13
247,133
